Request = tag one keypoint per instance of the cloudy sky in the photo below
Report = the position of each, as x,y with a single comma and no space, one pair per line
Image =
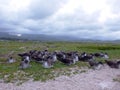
92,19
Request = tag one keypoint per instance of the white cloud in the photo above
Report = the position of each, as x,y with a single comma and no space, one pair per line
99,19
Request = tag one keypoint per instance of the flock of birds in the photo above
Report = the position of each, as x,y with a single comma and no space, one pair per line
48,59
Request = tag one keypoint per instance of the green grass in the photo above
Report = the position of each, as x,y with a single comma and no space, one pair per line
11,73
117,78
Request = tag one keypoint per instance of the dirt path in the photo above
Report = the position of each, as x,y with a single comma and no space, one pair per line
90,80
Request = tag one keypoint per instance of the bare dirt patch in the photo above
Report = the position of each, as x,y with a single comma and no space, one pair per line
102,79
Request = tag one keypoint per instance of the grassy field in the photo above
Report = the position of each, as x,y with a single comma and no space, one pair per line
11,72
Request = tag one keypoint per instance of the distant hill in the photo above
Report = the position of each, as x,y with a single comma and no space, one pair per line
42,37
39,37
